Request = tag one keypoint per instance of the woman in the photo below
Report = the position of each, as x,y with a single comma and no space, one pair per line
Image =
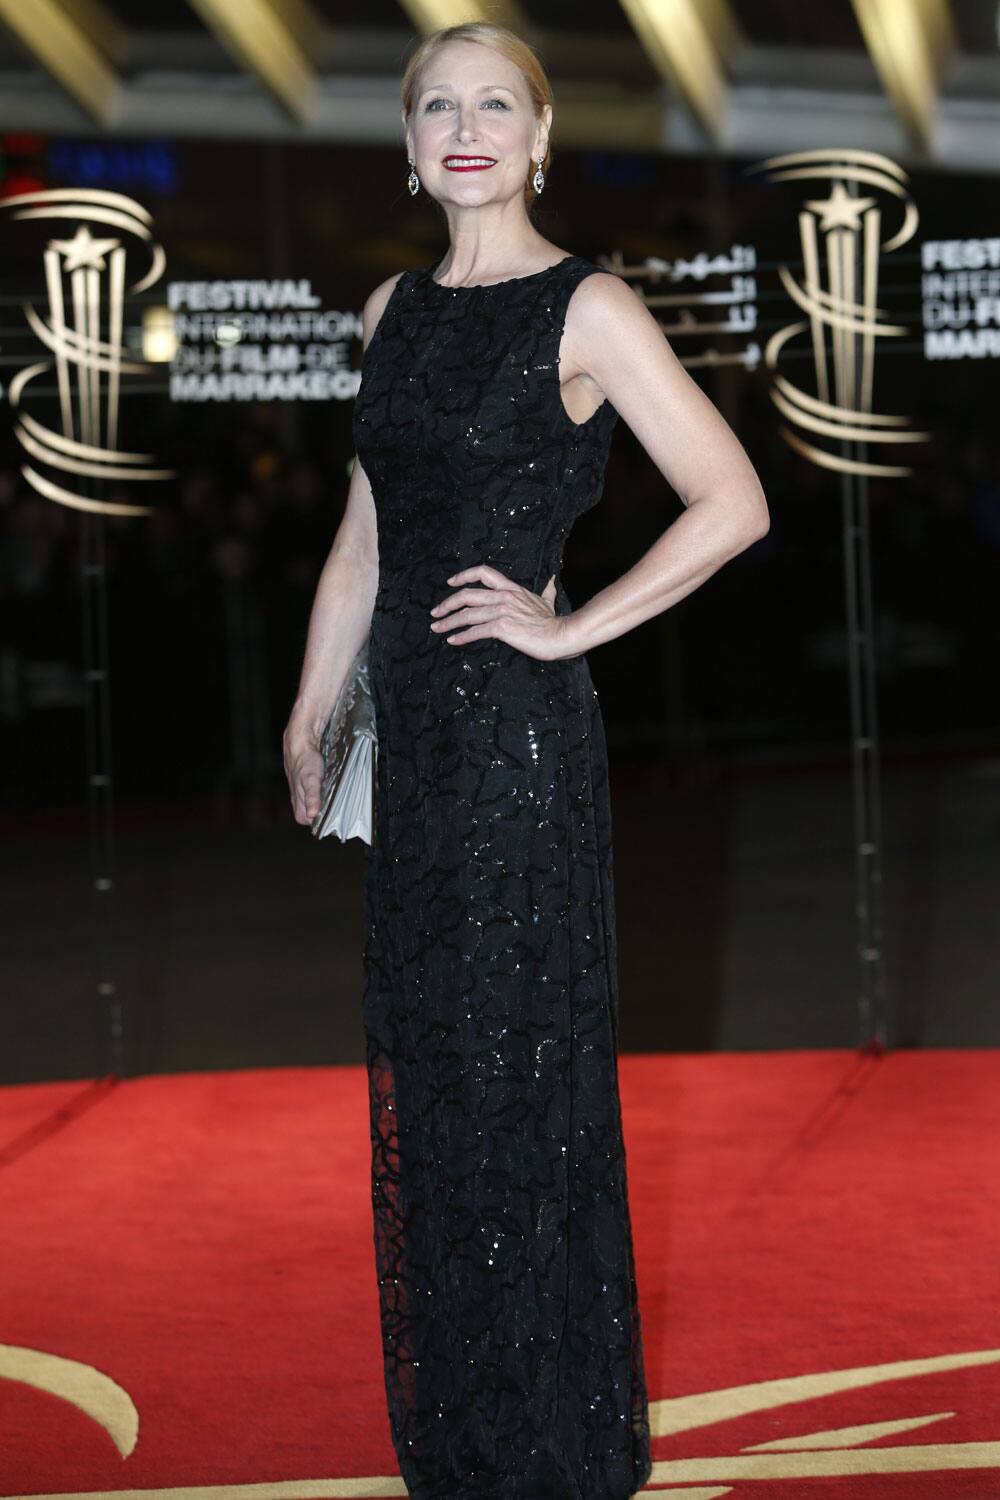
491,382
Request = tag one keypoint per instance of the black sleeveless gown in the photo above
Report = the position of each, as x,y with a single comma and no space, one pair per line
507,1295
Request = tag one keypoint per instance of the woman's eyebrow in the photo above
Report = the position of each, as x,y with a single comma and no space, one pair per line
487,86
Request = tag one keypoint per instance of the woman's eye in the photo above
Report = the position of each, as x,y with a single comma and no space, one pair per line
502,103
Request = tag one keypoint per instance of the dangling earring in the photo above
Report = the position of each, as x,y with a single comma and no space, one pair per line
413,181
538,181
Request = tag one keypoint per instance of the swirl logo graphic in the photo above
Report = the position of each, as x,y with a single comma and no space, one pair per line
85,282
834,1454
840,238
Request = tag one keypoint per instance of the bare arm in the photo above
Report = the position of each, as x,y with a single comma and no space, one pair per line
614,346
613,338
339,621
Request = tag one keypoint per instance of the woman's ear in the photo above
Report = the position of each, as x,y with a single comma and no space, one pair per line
546,120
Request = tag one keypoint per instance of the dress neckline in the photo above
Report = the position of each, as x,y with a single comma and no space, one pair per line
488,286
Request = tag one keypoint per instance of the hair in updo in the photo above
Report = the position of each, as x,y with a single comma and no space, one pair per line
509,45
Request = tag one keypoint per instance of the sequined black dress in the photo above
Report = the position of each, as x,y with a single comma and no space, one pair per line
507,1295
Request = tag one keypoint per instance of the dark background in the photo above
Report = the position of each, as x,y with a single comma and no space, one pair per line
237,937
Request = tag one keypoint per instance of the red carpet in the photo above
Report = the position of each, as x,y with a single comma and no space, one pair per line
186,1272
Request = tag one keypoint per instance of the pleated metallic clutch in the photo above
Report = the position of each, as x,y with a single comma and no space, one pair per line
349,747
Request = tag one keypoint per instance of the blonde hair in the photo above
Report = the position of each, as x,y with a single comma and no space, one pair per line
509,45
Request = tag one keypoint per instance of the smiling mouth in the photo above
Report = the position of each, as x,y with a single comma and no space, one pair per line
468,163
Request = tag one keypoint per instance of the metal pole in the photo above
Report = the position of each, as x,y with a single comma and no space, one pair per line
863,696
873,955
862,672
108,1013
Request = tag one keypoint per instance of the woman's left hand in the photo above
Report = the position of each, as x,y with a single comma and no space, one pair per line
505,611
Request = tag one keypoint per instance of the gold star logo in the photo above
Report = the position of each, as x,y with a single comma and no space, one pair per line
84,250
840,210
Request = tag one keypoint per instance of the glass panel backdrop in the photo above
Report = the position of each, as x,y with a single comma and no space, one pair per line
235,938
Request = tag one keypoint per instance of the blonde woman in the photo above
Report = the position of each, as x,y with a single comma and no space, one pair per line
491,383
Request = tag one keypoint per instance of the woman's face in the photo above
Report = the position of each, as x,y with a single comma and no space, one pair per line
470,101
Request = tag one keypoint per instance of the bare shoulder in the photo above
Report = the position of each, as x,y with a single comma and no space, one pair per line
604,315
603,297
375,305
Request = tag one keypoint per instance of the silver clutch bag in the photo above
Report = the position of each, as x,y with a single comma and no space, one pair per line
349,747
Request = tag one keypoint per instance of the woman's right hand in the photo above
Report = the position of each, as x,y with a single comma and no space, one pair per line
304,770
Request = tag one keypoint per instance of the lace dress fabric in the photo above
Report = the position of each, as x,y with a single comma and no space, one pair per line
508,1307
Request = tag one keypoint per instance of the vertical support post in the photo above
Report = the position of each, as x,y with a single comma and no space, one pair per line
862,672
108,1011
865,760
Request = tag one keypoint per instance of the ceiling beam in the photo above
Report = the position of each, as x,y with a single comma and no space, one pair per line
689,42
430,15
274,40
63,37
779,99
911,43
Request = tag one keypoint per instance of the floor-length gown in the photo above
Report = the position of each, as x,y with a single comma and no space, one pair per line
507,1296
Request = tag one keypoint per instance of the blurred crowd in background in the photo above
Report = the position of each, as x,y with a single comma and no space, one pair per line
209,600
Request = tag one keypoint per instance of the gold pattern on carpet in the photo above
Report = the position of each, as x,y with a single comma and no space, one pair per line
89,1390
833,1453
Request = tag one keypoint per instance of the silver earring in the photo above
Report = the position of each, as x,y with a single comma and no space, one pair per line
538,181
413,181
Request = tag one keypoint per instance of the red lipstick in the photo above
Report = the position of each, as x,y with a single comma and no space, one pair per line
467,163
